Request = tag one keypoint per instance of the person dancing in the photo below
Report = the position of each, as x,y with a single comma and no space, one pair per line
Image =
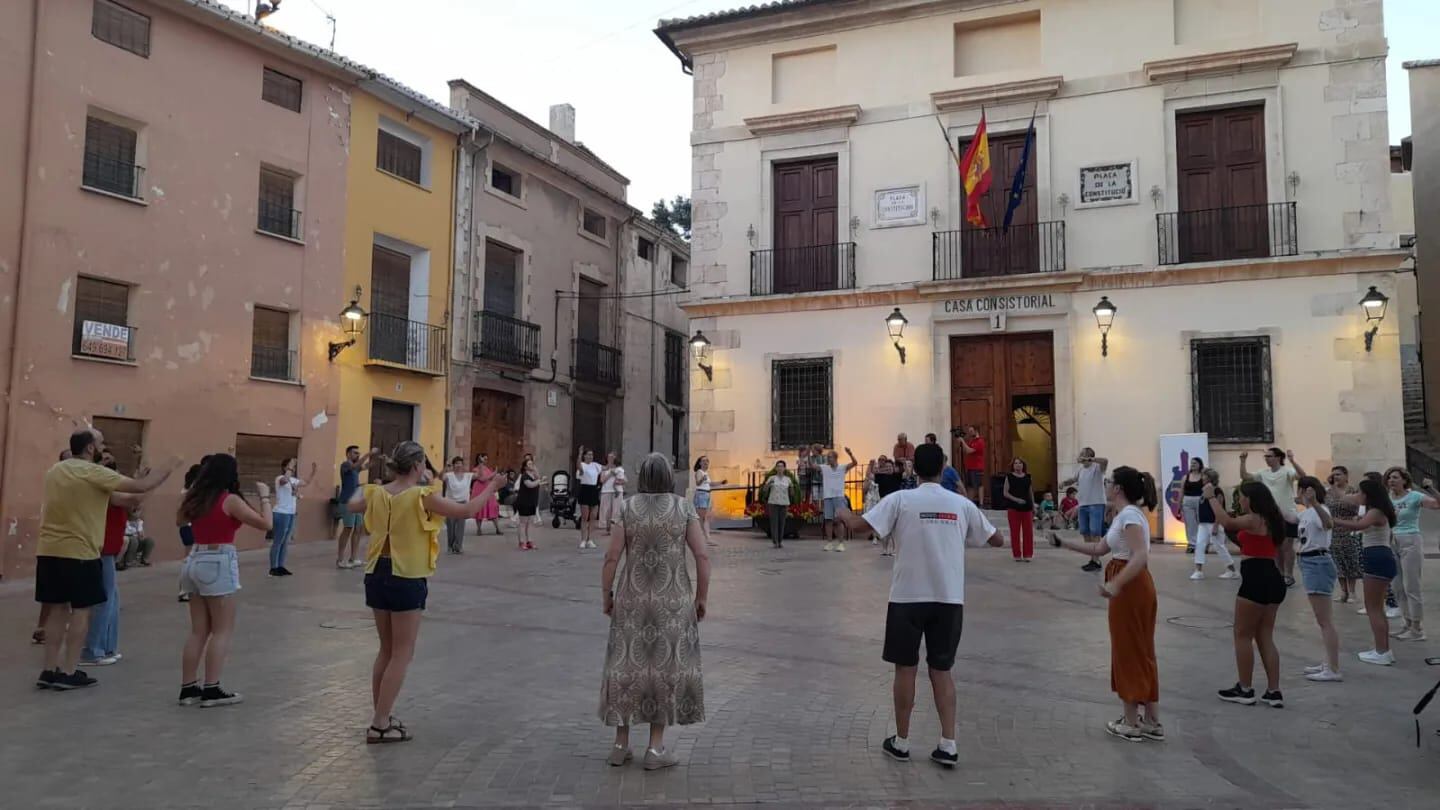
1260,533
489,510
1134,673
587,478
1378,561
703,497
404,518
1409,547
1091,512
1340,501
1209,534
1019,506
527,501
1317,573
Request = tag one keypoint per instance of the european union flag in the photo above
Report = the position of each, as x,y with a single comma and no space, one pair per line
1017,187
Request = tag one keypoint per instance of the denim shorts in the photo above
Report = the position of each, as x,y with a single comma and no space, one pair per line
385,591
834,505
1092,519
1378,562
352,520
210,571
702,499
1318,574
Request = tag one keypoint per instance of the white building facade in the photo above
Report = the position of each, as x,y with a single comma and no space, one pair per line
1218,170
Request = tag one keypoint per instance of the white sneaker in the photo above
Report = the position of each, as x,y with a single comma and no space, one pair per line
357,563
1230,573
1384,659
828,547
1361,611
1324,675
1403,632
1392,612
103,661
342,564
840,547
592,544
1408,634
1314,668
1197,576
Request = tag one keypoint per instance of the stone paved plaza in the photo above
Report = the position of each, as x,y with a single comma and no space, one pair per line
503,692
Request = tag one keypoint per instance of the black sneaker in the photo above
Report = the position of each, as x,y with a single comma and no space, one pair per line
274,572
948,760
190,695
284,572
894,753
215,696
1273,699
46,680
1238,694
1090,566
75,680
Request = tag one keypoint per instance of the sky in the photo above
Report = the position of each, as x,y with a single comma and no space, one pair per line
632,101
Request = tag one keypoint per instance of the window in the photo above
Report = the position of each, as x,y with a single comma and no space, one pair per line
679,271
121,27
281,90
800,409
110,158
505,180
270,354
125,439
101,311
259,458
593,223
646,249
399,157
1231,389
675,369
502,265
277,212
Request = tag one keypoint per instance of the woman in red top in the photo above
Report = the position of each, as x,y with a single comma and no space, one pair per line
214,509
1259,531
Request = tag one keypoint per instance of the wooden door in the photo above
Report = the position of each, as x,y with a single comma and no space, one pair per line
390,424
125,439
389,305
1220,161
986,373
994,251
807,206
497,428
588,426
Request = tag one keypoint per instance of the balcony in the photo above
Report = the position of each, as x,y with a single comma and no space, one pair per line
279,220
396,341
595,363
273,363
105,341
1218,234
504,339
1037,247
114,176
786,271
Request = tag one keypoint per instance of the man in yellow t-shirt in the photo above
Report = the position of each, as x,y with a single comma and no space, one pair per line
68,574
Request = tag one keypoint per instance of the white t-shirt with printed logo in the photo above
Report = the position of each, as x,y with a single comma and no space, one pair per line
931,527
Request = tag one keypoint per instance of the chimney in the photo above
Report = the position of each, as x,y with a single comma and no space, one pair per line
562,121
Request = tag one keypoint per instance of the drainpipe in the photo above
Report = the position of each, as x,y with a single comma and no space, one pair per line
619,311
655,254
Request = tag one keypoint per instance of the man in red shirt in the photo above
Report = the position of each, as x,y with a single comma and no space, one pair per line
102,640
972,447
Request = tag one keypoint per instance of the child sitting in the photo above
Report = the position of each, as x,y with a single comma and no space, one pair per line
1045,515
1069,507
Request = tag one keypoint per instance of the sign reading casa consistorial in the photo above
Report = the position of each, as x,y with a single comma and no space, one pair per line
985,305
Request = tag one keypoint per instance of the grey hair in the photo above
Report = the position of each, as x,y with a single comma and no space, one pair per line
407,457
656,476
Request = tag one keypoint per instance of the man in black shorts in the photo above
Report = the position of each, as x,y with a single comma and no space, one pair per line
931,527
68,575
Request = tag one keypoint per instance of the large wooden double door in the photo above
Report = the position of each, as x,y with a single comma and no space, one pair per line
990,377
497,428
807,228
995,250
1220,162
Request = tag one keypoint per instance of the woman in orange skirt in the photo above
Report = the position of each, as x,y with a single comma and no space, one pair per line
1134,674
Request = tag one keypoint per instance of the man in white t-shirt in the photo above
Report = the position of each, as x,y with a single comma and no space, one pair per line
832,492
931,527
1280,480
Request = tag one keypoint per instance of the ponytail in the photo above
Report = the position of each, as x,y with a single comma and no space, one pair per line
1138,487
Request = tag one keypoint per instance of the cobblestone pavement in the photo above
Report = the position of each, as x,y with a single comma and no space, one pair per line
503,693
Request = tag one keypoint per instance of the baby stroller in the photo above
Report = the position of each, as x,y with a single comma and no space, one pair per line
562,500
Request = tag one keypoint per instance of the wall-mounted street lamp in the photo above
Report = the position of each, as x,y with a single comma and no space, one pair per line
1104,318
700,348
895,323
352,321
1374,304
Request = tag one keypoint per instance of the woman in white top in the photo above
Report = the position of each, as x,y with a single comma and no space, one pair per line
587,479
287,494
1134,674
702,492
458,481
612,490
1317,573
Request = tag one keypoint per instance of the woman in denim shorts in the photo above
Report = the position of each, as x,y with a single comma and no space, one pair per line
1317,572
1378,562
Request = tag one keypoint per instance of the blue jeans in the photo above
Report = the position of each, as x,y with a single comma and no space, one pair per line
1092,520
283,525
104,635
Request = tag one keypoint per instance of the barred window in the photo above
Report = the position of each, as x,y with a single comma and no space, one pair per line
398,157
800,407
281,90
505,180
109,161
594,223
270,354
121,27
674,368
1231,393
102,320
276,208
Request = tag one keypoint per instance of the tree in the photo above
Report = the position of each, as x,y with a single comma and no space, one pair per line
674,215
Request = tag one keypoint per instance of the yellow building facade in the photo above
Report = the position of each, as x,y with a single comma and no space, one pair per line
399,235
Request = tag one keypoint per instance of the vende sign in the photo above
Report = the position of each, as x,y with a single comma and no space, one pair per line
105,340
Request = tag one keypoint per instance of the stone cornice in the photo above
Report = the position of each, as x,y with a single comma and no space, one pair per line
1220,63
805,119
1000,93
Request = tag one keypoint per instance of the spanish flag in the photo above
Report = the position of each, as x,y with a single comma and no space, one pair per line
975,174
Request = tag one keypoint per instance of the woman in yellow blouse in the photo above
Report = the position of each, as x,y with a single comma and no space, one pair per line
404,519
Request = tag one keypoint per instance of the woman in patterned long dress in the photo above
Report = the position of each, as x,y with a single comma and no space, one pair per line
652,661
1340,500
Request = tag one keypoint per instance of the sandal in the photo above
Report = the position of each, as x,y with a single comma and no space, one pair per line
375,736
